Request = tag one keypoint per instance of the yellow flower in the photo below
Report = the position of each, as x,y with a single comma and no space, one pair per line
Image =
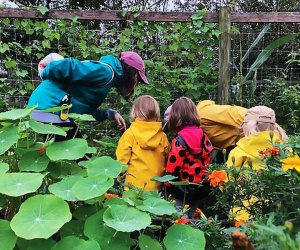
291,163
240,216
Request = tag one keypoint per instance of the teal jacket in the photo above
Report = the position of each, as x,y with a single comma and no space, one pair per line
88,83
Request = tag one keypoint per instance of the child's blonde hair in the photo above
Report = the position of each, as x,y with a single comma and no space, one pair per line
183,112
145,108
261,118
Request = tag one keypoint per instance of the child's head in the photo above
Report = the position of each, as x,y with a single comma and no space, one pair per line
145,108
183,112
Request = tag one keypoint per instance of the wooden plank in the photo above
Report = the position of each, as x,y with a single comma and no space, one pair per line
224,56
106,15
266,17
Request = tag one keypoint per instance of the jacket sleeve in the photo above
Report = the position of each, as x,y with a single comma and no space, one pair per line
123,152
71,71
175,160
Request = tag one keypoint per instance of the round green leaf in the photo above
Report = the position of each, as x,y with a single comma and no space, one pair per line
8,238
63,189
108,238
8,137
67,150
33,161
157,206
74,243
36,244
126,219
104,165
184,237
147,243
17,184
43,128
40,217
4,167
65,169
15,114
91,187
72,228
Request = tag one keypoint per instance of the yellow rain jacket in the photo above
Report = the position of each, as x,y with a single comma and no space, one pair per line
248,149
221,123
144,147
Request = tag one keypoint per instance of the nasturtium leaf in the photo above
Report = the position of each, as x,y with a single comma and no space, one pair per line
8,137
4,167
65,169
114,201
35,244
126,219
8,238
147,243
33,161
92,187
164,178
55,109
107,237
184,237
63,189
84,117
67,150
157,206
40,216
43,128
72,228
91,150
84,211
17,184
75,243
104,165
15,114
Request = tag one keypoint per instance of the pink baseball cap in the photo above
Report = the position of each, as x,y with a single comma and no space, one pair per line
134,60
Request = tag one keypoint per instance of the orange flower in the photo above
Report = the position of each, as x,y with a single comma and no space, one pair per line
274,151
291,163
198,214
182,220
108,196
217,177
238,223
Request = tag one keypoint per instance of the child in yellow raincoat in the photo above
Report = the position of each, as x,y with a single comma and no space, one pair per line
144,147
260,132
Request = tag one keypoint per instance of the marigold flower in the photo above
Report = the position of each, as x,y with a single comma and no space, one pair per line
182,220
291,163
42,150
108,196
217,177
240,215
198,214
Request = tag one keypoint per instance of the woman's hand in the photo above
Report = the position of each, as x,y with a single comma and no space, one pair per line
120,121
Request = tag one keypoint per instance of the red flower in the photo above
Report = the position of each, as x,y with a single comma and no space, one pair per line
182,220
42,150
108,196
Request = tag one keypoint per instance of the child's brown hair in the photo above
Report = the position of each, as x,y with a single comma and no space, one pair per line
183,112
145,108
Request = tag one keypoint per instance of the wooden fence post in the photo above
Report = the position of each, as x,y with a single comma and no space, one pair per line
224,56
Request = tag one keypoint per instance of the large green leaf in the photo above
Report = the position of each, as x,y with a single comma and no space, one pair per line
75,243
126,219
36,244
17,184
92,187
8,238
33,161
104,165
43,128
67,150
15,114
8,137
40,217
107,237
265,54
63,189
146,243
84,117
65,169
4,167
72,228
157,206
184,237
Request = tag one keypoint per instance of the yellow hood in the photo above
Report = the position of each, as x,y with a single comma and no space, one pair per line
147,134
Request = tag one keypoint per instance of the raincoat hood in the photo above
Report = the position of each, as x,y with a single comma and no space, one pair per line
192,135
114,63
147,134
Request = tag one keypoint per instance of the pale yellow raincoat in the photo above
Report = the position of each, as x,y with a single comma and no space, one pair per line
221,123
248,149
144,147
